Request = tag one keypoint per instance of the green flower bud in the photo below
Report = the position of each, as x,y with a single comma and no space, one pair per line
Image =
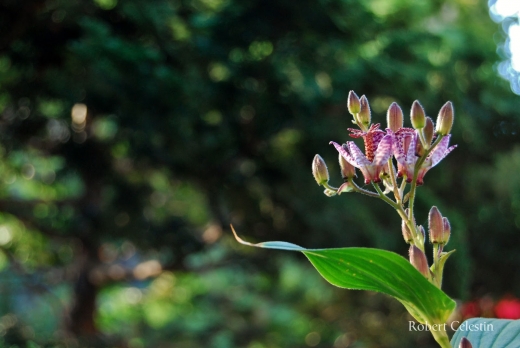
348,171
445,119
364,112
319,170
417,115
465,343
427,131
407,235
419,261
394,117
353,104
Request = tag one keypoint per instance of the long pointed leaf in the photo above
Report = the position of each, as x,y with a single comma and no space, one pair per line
376,270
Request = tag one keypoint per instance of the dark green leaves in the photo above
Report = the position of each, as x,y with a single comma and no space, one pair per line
376,270
489,333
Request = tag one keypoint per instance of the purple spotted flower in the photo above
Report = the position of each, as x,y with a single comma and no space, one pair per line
378,149
405,142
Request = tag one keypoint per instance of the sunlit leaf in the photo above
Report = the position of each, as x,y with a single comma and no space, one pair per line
376,270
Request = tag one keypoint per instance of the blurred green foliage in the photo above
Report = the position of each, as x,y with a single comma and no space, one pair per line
134,132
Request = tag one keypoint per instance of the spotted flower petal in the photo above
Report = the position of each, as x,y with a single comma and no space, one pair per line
352,154
438,153
357,154
383,151
441,150
370,169
403,146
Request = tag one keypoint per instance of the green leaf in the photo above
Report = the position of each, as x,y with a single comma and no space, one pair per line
376,270
489,333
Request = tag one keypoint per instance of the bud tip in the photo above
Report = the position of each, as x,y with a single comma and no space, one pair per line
394,117
445,119
319,170
417,115
353,103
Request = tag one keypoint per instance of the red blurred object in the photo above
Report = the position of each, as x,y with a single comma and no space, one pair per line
508,308
470,310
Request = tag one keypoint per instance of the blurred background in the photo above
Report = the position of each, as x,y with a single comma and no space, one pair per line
133,132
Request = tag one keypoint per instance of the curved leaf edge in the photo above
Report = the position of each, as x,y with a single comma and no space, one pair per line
411,308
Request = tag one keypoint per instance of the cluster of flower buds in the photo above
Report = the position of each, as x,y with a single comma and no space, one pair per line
407,145
439,233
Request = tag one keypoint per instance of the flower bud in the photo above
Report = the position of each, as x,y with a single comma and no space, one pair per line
417,115
348,171
445,119
422,234
353,104
364,112
319,170
418,260
427,131
407,235
436,225
465,343
447,230
394,117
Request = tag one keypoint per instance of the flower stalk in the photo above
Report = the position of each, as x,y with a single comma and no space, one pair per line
415,150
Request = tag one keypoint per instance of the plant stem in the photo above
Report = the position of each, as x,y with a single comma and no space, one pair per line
359,124
397,194
402,187
385,198
436,269
327,186
442,338
413,187
362,191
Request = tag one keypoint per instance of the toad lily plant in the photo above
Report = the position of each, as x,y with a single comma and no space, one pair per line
413,282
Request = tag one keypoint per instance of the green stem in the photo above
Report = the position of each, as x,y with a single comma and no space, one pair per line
327,186
397,194
359,124
441,337
423,140
413,187
362,191
436,268
385,198
402,187
400,210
